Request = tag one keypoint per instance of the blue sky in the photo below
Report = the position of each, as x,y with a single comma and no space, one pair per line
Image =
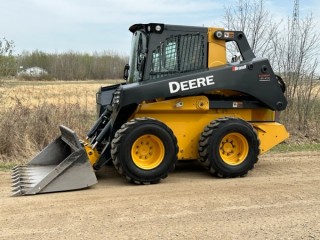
102,25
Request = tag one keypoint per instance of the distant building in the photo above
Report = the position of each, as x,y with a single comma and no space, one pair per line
33,72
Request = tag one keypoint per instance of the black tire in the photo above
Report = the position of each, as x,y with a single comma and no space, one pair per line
231,157
124,156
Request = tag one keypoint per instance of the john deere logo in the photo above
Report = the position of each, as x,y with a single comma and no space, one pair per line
190,84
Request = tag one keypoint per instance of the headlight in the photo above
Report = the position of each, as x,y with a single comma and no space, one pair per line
116,99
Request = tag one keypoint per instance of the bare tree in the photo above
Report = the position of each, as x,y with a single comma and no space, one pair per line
292,49
252,17
296,58
7,62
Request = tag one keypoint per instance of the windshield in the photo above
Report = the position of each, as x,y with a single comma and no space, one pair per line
137,56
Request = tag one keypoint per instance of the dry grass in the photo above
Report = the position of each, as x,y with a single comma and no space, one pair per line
33,94
32,111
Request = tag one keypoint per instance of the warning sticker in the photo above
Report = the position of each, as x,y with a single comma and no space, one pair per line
229,34
237,104
264,77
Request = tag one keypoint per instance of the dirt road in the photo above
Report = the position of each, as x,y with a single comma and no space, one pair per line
279,199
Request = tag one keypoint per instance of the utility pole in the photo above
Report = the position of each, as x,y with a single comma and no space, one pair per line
294,39
295,17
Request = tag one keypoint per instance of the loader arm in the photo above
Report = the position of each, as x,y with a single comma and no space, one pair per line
252,78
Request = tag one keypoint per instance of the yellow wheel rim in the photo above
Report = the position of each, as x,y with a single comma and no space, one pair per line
234,148
147,152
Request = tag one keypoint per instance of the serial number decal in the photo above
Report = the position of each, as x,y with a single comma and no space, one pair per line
264,77
175,87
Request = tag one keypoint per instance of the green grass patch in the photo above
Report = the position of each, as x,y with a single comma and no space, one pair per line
296,147
6,166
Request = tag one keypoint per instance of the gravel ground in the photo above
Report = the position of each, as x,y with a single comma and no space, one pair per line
279,199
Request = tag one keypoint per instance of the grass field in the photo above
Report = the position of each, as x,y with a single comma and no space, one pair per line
35,93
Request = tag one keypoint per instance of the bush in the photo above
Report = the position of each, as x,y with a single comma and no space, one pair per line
26,130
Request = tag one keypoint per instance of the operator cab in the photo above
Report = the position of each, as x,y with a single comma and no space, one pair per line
159,51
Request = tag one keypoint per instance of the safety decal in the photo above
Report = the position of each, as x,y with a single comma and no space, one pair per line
237,104
229,34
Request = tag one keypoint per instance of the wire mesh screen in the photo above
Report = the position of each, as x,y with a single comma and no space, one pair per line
178,54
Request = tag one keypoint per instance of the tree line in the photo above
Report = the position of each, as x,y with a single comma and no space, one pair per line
64,66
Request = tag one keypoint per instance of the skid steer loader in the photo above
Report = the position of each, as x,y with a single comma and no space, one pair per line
181,100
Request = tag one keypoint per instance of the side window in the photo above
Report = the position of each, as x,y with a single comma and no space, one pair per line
165,59
155,62
177,54
171,56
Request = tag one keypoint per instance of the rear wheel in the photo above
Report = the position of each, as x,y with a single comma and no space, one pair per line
228,147
144,150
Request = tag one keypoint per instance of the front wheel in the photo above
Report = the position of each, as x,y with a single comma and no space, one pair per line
228,147
144,150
